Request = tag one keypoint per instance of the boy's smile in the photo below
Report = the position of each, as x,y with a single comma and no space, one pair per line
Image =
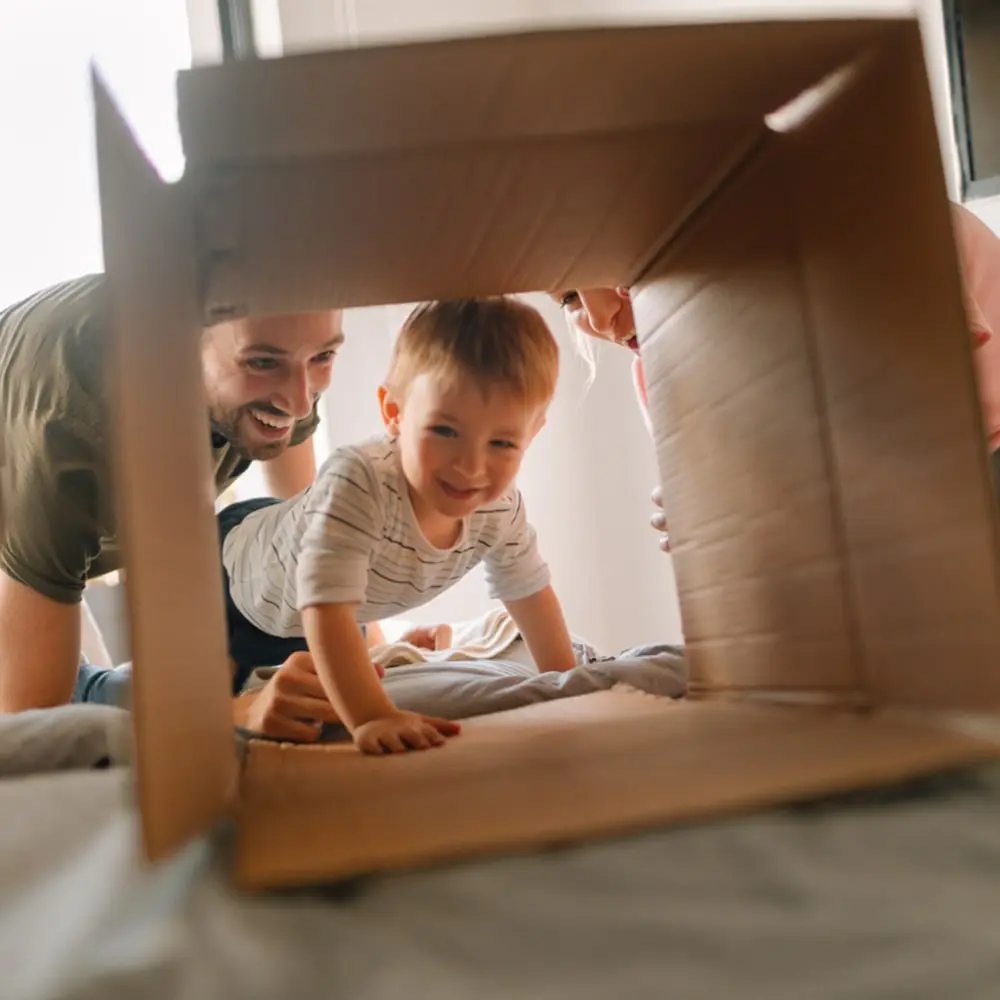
460,447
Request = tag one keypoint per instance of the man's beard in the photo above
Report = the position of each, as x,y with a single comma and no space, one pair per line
228,425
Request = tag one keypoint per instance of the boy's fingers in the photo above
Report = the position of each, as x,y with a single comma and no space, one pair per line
659,521
433,737
414,738
392,743
446,727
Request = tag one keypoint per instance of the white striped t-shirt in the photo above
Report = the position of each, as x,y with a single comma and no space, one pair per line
352,538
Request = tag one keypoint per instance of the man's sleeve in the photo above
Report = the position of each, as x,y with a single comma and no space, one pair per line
54,492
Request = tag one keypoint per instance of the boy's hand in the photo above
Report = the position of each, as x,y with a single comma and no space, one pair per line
659,520
403,731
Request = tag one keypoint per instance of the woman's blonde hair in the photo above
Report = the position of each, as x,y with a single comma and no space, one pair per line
492,341
586,349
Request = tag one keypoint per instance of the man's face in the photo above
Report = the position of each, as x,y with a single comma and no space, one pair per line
264,374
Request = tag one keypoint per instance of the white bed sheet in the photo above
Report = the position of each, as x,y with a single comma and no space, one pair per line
879,896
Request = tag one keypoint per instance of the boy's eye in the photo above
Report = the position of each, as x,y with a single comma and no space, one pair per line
569,299
261,364
500,443
443,430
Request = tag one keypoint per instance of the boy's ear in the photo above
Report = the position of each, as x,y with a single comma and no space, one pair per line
539,423
390,410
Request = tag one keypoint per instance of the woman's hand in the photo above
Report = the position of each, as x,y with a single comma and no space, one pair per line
659,520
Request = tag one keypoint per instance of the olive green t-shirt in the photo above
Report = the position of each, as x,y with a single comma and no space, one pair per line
57,497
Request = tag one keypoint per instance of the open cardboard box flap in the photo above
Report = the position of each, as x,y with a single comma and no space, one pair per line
774,195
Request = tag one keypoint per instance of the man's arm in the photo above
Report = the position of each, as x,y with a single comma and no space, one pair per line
39,648
291,471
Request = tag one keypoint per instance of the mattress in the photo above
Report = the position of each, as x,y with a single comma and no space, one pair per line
886,894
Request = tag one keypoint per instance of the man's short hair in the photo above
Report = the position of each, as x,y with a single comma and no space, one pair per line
497,341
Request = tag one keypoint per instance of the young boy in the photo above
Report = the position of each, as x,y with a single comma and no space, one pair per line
392,523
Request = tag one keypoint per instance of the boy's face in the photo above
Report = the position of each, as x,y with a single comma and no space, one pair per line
460,447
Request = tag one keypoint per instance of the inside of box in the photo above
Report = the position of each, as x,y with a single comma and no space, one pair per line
825,470
480,166
811,388
601,764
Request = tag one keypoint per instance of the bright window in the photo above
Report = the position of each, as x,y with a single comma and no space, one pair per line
49,213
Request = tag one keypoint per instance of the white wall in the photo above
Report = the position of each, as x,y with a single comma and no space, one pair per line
586,481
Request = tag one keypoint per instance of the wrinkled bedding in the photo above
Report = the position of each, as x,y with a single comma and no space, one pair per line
85,736
886,894
464,689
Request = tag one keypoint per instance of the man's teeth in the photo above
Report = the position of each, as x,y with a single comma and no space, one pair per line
270,420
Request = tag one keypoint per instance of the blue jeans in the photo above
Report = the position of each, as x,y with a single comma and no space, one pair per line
248,646
101,686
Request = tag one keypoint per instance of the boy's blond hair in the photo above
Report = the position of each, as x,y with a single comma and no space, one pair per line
492,341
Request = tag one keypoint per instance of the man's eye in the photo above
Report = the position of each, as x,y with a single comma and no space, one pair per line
569,300
261,364
443,430
325,358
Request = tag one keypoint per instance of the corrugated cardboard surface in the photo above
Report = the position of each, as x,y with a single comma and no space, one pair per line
741,451
908,451
185,755
473,91
481,165
809,375
819,432
441,223
596,765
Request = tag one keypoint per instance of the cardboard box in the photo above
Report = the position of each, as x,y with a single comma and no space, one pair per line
774,194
